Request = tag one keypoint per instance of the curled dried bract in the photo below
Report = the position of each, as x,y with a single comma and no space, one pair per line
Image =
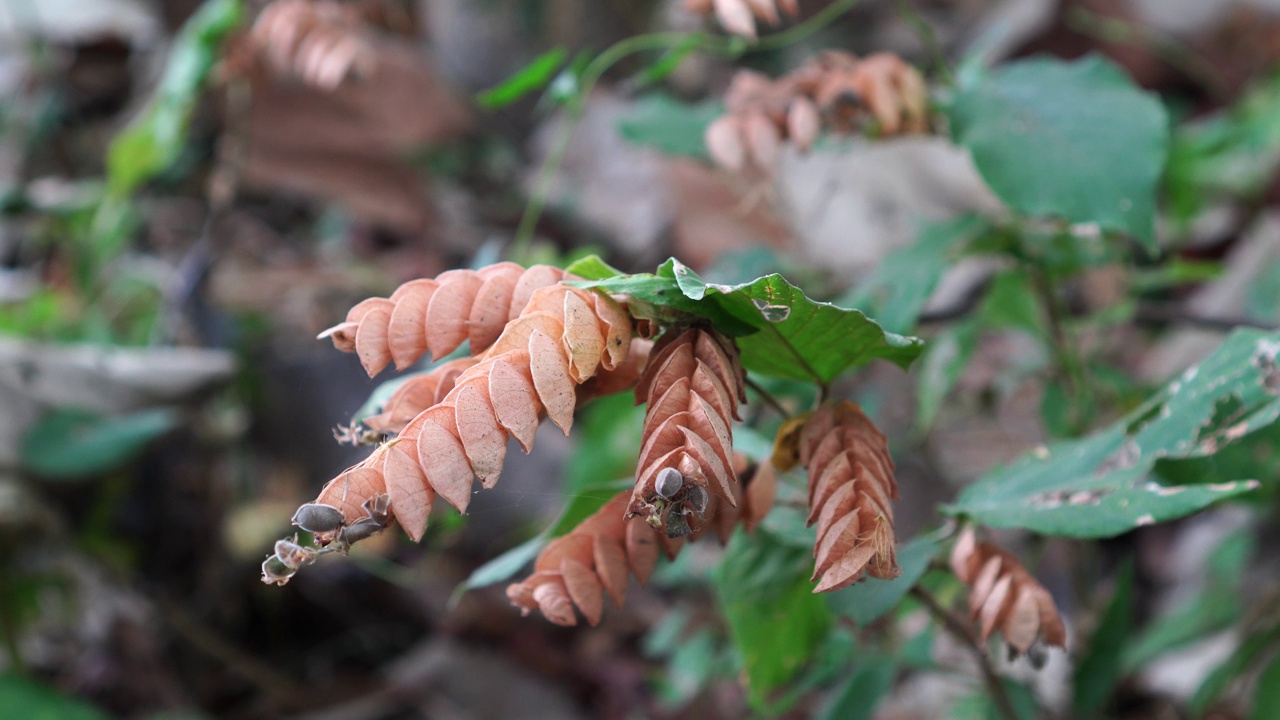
851,486
693,385
320,42
436,315
563,337
1004,596
739,16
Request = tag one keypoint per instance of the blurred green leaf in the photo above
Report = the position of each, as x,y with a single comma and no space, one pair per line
28,700
781,332
667,63
944,361
871,599
1011,303
774,618
530,78
1262,296
858,697
670,126
1266,698
1101,485
1254,645
897,292
503,567
1075,140
155,138
1102,668
71,444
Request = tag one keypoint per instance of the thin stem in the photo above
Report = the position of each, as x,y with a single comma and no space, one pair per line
1070,366
768,398
907,11
726,46
965,634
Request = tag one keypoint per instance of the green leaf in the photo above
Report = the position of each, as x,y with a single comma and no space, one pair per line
592,267
1266,699
71,444
775,620
1255,645
1101,485
1075,140
872,598
530,78
1011,303
1101,668
155,138
1213,608
668,62
781,332
670,126
504,567
858,698
945,359
897,292
22,698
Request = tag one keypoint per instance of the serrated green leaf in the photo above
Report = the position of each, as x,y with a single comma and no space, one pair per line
592,267
1101,485
670,126
530,78
781,332
155,138
1075,140
897,292
23,698
775,620
869,600
72,444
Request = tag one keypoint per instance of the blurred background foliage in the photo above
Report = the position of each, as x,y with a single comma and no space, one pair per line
181,211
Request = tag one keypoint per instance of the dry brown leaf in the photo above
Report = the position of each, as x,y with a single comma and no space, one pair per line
1004,596
693,385
851,486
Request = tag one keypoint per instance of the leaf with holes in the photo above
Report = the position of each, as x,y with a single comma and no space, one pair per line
781,331
1103,484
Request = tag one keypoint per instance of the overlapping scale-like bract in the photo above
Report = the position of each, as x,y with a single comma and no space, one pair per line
836,91
1004,596
739,16
317,41
851,486
693,385
436,315
532,370
416,394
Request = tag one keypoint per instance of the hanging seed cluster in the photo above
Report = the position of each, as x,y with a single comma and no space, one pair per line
692,385
851,486
739,16
1004,596
836,91
319,42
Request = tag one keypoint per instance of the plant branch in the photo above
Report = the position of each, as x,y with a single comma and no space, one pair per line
768,398
928,38
964,633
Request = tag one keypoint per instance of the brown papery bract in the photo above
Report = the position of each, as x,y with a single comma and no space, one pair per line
532,370
739,16
851,486
1004,596
836,91
436,315
693,385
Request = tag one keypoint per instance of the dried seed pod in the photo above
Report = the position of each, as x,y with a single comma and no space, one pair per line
677,524
436,315
669,482
292,554
378,508
276,572
359,530
1005,596
851,485
318,518
693,385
